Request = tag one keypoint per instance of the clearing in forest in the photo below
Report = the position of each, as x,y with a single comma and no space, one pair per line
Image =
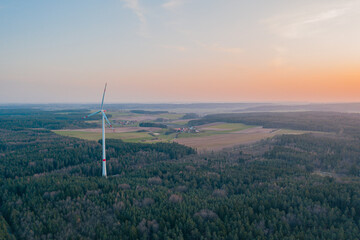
211,137
217,142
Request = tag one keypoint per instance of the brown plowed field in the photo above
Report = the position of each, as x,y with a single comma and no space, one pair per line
219,141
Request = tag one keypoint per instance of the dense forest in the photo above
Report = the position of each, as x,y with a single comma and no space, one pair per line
151,124
148,112
190,116
287,187
34,118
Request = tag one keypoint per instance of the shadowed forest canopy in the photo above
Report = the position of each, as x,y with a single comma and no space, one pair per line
35,118
287,187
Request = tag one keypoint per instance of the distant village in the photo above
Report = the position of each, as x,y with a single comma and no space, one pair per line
126,122
187,130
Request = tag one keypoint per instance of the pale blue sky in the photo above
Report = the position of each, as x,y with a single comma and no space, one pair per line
151,51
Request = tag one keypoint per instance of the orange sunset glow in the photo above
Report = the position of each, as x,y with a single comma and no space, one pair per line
184,51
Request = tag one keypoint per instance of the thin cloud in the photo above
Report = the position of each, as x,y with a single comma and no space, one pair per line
220,48
177,48
279,59
139,12
333,13
305,24
172,4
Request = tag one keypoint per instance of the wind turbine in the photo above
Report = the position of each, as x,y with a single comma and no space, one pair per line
104,118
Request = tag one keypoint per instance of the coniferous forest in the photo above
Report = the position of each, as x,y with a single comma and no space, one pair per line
288,187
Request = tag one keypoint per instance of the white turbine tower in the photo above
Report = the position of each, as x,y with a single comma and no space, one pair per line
104,118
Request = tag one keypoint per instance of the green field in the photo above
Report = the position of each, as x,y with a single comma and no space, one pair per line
230,127
94,136
180,122
171,116
125,136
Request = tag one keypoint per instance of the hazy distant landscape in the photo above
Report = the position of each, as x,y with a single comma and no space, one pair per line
176,128
201,108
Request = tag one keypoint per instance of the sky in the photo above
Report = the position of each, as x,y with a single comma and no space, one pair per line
179,51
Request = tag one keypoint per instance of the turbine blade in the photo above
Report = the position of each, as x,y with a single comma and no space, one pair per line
102,102
91,114
107,120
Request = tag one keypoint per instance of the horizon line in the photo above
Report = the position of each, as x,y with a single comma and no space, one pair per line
185,103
